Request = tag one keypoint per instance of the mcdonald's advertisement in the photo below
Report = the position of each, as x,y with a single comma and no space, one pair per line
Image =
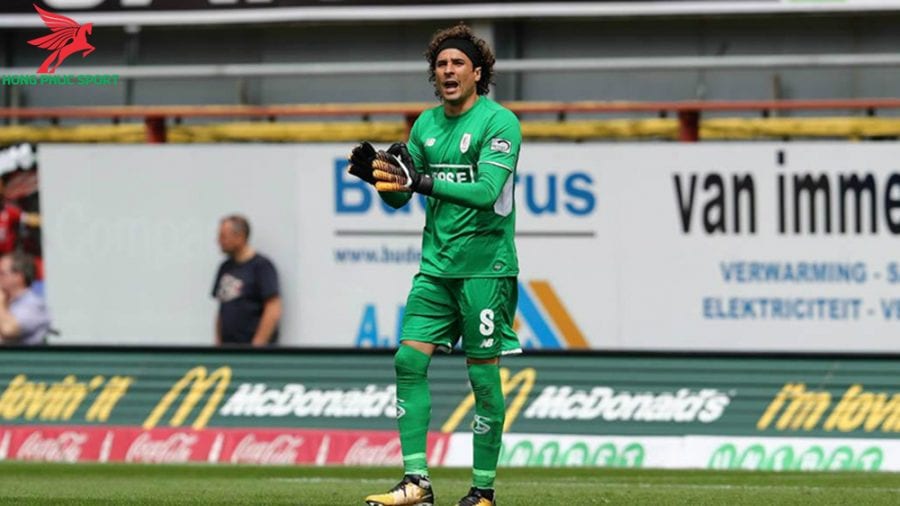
328,408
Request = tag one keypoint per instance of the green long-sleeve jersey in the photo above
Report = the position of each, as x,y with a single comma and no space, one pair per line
470,217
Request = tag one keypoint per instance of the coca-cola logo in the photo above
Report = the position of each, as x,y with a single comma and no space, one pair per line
281,450
175,448
363,453
65,447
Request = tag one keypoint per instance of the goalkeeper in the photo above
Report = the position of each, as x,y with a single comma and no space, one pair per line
462,155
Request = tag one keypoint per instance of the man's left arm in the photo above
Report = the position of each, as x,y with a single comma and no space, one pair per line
270,316
25,320
480,195
9,325
270,294
497,161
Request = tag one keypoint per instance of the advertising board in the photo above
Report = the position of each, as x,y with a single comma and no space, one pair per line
573,409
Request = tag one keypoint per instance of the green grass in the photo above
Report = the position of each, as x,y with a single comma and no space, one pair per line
38,483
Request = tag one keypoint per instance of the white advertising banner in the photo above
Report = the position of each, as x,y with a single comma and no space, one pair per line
776,247
738,246
754,247
551,450
686,452
129,236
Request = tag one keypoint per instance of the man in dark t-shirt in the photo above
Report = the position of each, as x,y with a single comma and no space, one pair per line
246,287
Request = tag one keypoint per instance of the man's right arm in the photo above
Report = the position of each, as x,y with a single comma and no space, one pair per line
395,199
414,146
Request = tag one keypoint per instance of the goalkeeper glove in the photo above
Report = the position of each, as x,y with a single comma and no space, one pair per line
396,172
361,159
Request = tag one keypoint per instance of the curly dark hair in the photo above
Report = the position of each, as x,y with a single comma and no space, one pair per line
462,31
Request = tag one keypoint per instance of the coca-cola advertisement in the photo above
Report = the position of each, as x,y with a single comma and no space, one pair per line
226,446
62,446
51,444
364,452
177,447
283,449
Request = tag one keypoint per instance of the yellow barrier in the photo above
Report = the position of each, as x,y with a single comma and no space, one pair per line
290,132
756,128
389,131
601,129
79,133
217,132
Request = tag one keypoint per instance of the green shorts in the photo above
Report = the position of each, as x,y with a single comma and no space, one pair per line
480,310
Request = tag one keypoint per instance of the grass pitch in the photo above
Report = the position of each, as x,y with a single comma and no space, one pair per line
66,484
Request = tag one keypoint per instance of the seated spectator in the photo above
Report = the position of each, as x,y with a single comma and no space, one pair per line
24,319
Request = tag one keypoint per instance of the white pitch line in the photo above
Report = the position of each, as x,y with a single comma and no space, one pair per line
331,480
600,484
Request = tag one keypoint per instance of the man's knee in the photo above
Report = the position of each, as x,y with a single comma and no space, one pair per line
474,361
410,362
485,380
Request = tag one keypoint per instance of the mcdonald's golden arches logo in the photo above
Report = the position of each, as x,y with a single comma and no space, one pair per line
200,382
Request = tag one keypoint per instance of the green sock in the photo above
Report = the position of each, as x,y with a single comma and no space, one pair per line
413,407
490,412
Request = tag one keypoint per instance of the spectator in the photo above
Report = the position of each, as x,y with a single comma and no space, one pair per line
11,217
24,319
247,289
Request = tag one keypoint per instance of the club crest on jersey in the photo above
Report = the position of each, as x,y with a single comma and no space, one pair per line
464,142
430,142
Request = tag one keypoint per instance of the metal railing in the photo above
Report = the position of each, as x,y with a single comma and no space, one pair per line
637,64
688,112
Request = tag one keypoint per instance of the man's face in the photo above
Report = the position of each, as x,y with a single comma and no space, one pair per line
9,280
229,240
455,77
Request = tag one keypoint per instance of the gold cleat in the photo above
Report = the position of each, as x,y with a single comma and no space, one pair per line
478,497
413,490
